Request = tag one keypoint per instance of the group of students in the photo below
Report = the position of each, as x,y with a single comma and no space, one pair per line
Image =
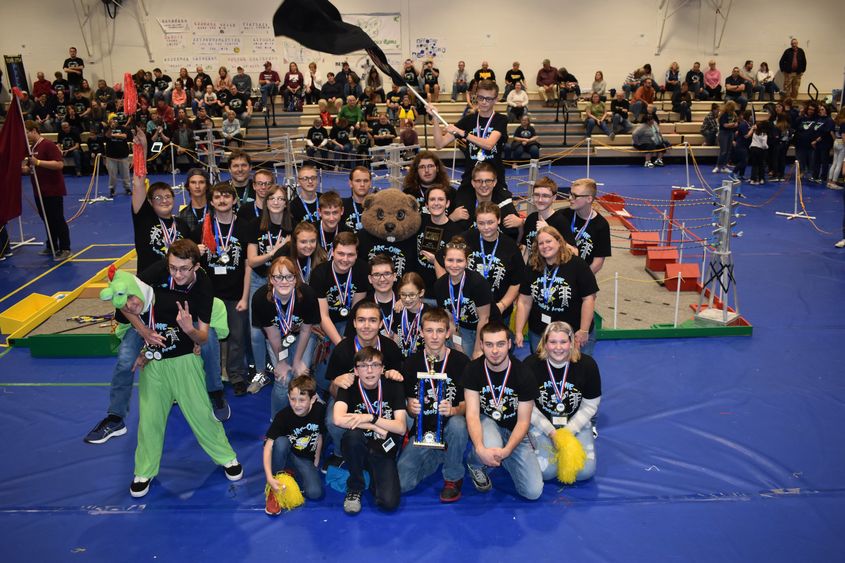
346,329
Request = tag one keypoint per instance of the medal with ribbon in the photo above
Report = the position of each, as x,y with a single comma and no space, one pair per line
344,296
387,320
223,244
559,390
482,133
369,404
487,259
358,346
311,216
285,316
496,401
169,234
172,285
455,304
410,330
151,352
305,273
329,247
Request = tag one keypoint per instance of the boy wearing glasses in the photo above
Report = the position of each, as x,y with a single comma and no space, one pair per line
583,227
484,134
155,227
304,206
250,211
372,410
543,195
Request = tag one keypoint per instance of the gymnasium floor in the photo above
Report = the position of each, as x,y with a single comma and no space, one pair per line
710,449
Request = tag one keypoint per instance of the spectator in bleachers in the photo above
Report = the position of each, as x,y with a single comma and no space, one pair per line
186,80
547,83
179,97
695,79
86,90
345,71
736,89
728,123
41,86
317,141
341,144
77,124
146,85
567,83
157,132
166,113
352,87
26,104
484,73
117,156
71,145
682,102
672,81
351,112
596,114
232,130
292,88
407,110
410,75
710,127
713,82
383,132
408,136
242,82
513,76
632,82
42,114
766,82
313,84
60,83
269,83
750,77
325,116
98,117
460,81
105,93
163,84
599,86
82,105
793,64
431,82
822,145
201,116
224,96
374,82
647,74
369,106
59,104
642,98
209,102
183,138
241,104
333,92
73,67
223,81
517,102
647,138
394,98
363,142
201,80
619,108
526,143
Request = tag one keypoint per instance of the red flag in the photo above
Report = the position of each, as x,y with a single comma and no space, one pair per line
208,236
13,149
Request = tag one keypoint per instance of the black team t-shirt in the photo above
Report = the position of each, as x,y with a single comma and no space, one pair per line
567,285
500,196
324,285
422,266
519,387
303,432
501,263
583,381
451,389
482,127
301,210
265,240
305,309
73,78
392,400
317,135
409,331
386,129
476,293
351,218
227,277
592,242
343,356
529,228
153,235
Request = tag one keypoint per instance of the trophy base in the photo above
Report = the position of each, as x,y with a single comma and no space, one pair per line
434,445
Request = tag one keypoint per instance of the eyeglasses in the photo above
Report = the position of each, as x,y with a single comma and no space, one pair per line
488,99
181,270
158,198
307,178
576,196
283,277
262,184
408,295
383,275
277,199
370,367
485,182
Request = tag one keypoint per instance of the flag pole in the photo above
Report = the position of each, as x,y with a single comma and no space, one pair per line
37,184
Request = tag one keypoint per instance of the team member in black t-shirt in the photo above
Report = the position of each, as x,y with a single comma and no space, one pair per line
499,397
486,187
445,397
240,169
431,79
438,199
465,294
153,222
195,212
304,206
223,241
294,440
117,155
330,207
543,194
73,67
361,185
484,133
382,278
586,229
285,310
316,142
406,322
340,144
304,251
372,410
558,286
569,386
383,132
70,143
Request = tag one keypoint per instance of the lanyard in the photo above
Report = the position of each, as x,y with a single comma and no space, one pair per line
357,214
218,235
309,215
255,209
369,404
548,282
479,132
387,320
456,304
343,294
358,346
305,272
168,233
286,317
204,211
410,329
328,247
497,400
559,390
582,232
485,263
270,235
172,285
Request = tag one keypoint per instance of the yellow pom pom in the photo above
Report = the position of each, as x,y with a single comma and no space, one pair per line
289,496
570,456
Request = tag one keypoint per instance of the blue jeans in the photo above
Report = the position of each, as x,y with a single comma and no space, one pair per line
335,432
458,89
268,90
236,353
417,463
545,451
467,340
320,369
590,124
525,152
343,156
725,139
279,397
620,123
307,476
638,108
256,335
210,353
522,464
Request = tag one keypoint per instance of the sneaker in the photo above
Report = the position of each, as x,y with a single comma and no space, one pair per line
111,193
222,410
451,491
648,164
239,388
716,170
658,162
595,431
833,186
45,251
840,244
612,135
258,382
334,460
62,256
139,487
109,427
726,170
234,470
272,506
352,502
480,479
739,196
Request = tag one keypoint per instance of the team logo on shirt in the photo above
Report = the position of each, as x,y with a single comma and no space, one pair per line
510,401
304,438
571,399
469,314
560,294
585,245
430,395
394,253
386,413
496,273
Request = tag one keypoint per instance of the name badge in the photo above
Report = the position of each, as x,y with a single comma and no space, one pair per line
559,421
220,270
456,340
545,319
388,445
283,355
505,202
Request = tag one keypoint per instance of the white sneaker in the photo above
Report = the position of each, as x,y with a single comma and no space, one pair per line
840,244
649,164
716,170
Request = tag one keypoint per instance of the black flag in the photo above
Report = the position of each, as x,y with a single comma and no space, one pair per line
316,24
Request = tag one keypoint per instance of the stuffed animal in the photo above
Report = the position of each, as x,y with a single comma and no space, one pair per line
122,285
391,221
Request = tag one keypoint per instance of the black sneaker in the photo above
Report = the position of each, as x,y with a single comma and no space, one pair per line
109,427
234,470
139,487
111,193
45,251
480,479
222,410
334,460
239,388
352,502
